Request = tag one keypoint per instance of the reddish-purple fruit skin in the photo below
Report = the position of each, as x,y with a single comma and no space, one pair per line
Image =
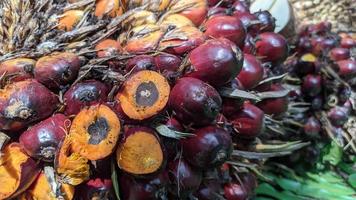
271,47
144,189
321,28
249,121
249,22
215,62
84,94
210,147
338,116
31,103
337,54
194,101
312,85
347,68
97,189
249,46
226,26
304,45
240,7
57,73
312,127
42,140
167,64
274,106
206,193
184,177
348,43
15,73
252,72
268,22
321,45
249,181
141,62
234,191
231,106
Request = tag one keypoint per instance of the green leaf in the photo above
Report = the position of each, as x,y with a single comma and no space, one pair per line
266,189
352,180
114,179
347,167
332,154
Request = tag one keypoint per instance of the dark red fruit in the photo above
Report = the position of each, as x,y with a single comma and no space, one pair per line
210,147
97,189
57,70
319,29
271,47
42,140
347,68
312,127
226,26
268,22
25,102
322,45
338,116
215,62
144,189
312,85
84,94
249,46
235,191
183,178
17,69
274,106
167,64
249,21
249,181
306,64
141,62
209,191
337,54
248,122
267,85
316,47
304,45
348,42
231,106
252,72
240,7
194,101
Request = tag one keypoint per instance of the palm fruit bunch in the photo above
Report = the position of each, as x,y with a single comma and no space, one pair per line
341,14
168,99
321,73
323,68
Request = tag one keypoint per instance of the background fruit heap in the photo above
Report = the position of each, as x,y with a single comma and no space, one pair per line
322,72
166,99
